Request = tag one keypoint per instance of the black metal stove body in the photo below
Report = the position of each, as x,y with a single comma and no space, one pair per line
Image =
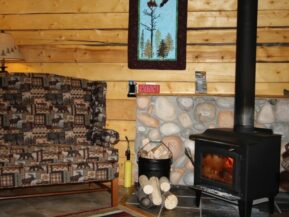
250,157
254,161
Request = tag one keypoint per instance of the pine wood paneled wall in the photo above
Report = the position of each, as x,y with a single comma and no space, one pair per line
88,39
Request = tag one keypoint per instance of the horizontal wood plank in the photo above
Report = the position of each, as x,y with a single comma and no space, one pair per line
96,6
199,19
64,21
118,54
270,89
72,53
62,6
125,128
228,53
228,36
117,37
121,146
84,37
219,5
215,72
121,109
116,89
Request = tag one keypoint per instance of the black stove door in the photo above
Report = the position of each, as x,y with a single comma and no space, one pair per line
217,166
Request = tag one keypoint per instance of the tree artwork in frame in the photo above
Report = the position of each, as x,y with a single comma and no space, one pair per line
157,34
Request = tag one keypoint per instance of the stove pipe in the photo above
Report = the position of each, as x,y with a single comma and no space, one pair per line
245,65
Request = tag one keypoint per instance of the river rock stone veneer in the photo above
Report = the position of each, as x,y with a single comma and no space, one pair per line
173,118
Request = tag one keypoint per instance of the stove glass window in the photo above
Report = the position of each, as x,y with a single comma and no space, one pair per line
217,168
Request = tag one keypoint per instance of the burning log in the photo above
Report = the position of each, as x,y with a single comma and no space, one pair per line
145,184
170,200
155,196
165,185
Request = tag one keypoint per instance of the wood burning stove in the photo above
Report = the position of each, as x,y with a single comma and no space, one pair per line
242,164
237,167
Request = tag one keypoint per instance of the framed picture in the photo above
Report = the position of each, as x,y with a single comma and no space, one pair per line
157,34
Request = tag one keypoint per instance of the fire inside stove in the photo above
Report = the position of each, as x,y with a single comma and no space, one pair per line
218,168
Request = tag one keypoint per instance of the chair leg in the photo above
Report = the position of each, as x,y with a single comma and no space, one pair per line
114,192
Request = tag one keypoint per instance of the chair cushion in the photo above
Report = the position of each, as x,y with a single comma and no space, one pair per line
56,164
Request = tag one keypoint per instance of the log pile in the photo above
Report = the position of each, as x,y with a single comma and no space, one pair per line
155,192
151,151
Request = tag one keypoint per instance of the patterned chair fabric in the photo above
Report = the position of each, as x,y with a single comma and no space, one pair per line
52,131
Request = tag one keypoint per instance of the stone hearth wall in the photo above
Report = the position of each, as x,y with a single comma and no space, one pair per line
173,118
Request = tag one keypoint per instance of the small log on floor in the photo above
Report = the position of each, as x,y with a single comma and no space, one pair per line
165,184
156,194
144,199
170,200
145,184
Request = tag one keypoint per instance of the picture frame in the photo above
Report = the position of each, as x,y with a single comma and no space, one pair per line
157,34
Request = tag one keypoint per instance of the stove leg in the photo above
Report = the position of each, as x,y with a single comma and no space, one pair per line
198,197
245,208
271,204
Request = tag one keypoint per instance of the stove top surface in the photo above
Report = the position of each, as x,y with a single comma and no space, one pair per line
235,138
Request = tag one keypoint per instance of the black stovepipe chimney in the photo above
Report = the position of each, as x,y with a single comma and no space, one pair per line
245,65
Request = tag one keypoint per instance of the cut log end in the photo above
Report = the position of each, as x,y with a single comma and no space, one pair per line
165,187
143,199
146,202
165,184
145,184
170,201
148,189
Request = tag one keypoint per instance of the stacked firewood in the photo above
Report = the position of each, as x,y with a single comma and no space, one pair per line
151,151
155,191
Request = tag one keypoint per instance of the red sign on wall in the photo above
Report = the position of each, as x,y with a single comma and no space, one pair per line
148,88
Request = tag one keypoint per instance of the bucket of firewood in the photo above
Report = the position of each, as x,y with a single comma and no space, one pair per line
154,159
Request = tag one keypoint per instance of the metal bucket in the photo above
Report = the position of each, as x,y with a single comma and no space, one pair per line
154,167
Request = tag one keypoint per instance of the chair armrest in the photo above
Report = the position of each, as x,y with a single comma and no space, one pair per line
102,136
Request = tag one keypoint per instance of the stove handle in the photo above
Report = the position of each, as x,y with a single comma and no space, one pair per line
235,151
232,150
